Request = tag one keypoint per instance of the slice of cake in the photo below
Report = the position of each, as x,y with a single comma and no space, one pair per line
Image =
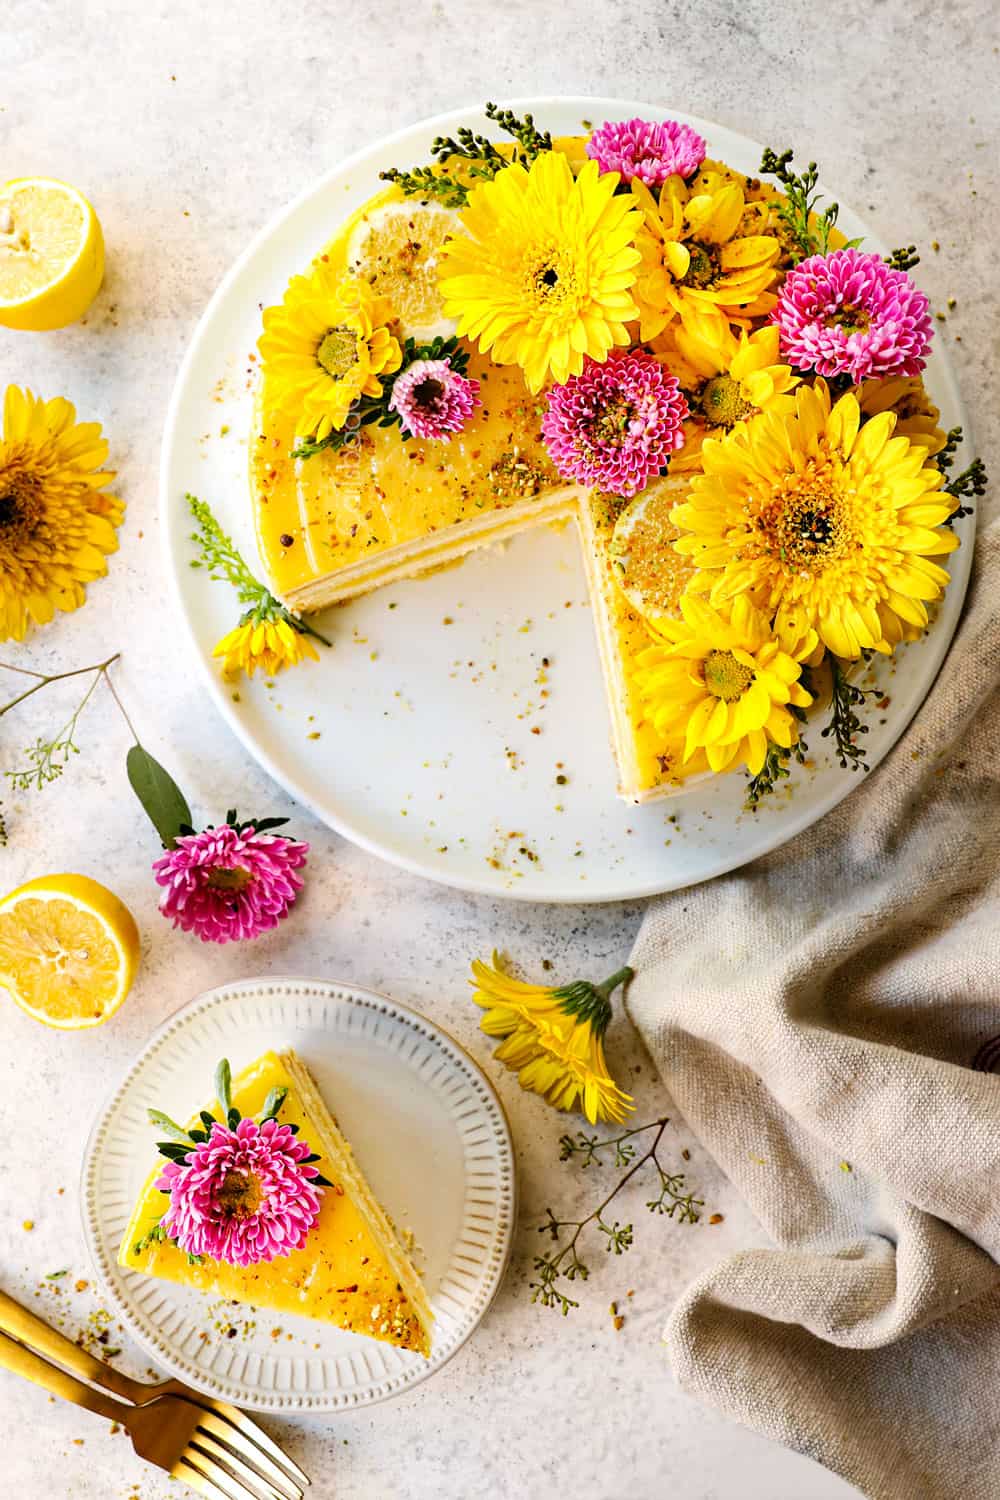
260,1200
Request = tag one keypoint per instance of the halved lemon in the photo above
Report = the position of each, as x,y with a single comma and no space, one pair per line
68,950
51,254
395,248
650,574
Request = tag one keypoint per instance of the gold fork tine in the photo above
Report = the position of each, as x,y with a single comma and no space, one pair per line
199,1482
242,1471
233,1438
230,1486
255,1434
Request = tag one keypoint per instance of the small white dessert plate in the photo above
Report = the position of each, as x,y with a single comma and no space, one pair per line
459,727
426,1127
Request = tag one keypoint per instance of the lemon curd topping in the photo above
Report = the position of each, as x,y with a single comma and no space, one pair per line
346,1273
380,507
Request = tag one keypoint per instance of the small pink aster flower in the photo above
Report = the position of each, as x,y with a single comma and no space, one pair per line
227,883
649,150
615,425
242,1196
432,400
851,313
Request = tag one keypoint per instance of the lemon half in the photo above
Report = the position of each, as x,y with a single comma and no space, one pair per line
51,254
68,950
650,574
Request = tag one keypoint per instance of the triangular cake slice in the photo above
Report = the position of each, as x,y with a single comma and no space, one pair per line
352,1271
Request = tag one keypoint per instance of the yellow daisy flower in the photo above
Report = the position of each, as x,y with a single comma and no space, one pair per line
553,1038
814,514
325,347
541,275
916,415
703,251
726,379
725,682
56,528
270,645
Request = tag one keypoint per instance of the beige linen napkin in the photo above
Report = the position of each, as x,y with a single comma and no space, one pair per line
816,1017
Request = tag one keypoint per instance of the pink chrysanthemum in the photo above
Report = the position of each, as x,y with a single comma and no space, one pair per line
615,425
242,1196
649,150
432,400
850,313
227,883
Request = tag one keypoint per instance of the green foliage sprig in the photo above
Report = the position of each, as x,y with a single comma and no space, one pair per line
844,726
904,258
220,556
370,409
776,768
671,1197
808,228
482,157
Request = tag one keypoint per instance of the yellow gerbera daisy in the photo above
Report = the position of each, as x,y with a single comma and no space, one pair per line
726,379
814,513
325,347
725,682
553,1038
56,528
270,645
541,276
916,415
702,252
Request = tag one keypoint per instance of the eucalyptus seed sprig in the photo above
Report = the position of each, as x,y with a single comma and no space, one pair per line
564,1263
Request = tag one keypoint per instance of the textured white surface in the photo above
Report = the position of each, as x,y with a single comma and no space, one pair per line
188,123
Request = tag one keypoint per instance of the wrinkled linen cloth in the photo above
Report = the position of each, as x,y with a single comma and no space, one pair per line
823,1020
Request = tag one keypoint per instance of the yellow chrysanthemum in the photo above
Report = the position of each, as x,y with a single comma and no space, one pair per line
541,275
725,682
270,645
916,415
726,379
324,347
56,528
553,1038
815,514
702,252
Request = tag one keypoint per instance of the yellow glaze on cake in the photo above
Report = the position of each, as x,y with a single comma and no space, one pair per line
340,524
351,1272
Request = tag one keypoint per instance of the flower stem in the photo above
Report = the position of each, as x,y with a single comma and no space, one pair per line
620,976
100,666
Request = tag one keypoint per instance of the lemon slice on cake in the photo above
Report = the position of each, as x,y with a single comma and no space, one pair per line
394,247
51,254
68,950
650,574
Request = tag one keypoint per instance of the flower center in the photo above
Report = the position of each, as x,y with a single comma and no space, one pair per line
18,517
338,352
704,267
850,318
551,278
723,403
611,425
725,677
226,878
240,1195
806,523
427,394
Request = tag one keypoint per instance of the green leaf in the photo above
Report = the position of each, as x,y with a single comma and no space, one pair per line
161,797
233,1118
173,1152
168,1126
273,1102
224,1085
207,1120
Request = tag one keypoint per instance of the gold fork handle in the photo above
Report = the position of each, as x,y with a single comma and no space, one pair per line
31,1366
31,1330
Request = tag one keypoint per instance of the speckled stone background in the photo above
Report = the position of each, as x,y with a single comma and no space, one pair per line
188,124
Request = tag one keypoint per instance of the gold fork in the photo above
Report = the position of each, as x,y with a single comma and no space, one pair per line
247,1438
